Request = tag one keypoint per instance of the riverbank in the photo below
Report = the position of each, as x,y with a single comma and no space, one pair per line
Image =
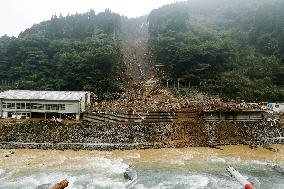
111,136
226,153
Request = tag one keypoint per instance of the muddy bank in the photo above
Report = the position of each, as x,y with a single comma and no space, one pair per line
110,136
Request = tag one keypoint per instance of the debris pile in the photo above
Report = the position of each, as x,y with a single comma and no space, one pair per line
146,100
142,91
231,106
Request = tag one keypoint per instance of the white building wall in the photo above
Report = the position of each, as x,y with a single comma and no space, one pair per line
85,101
70,107
83,104
278,107
88,98
5,115
24,102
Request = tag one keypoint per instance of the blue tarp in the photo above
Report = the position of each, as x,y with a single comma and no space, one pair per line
270,106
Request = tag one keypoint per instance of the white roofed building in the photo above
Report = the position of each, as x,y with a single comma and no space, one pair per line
26,103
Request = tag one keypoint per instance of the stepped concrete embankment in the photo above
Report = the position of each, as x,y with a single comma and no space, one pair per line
111,136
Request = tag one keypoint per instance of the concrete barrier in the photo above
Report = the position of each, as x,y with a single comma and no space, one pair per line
150,117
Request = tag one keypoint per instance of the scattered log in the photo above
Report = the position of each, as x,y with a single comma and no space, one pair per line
61,185
270,148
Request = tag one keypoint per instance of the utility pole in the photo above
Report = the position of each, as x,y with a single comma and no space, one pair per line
167,83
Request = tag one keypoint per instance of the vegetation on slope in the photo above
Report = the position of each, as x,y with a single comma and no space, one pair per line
236,46
78,52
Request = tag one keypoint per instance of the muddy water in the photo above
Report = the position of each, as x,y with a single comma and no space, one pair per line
190,168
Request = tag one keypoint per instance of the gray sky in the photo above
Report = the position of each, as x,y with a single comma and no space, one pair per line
17,15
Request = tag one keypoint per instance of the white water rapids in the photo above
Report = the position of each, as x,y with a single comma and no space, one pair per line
189,168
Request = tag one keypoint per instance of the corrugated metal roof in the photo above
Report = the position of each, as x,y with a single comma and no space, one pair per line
42,95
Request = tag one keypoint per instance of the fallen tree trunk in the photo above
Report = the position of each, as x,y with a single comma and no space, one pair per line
61,185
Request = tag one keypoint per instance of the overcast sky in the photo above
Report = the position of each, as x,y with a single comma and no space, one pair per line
17,15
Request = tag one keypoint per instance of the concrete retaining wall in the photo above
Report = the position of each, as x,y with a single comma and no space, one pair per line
150,117
110,136
244,116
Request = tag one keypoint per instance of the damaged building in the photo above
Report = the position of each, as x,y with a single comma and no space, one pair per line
43,104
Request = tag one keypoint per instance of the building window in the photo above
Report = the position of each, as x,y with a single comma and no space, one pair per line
18,105
48,106
21,106
28,105
11,105
11,114
55,107
62,106
37,106
4,105
15,106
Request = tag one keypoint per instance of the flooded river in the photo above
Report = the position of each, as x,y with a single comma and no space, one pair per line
190,168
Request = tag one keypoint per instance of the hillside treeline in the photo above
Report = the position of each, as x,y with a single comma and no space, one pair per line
231,47
77,52
234,48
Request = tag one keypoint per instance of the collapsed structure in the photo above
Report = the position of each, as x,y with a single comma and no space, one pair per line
27,104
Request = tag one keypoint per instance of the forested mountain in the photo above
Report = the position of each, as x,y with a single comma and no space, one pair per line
78,52
235,45
231,47
76,26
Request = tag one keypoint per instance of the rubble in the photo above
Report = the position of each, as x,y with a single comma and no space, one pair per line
231,106
142,91
145,100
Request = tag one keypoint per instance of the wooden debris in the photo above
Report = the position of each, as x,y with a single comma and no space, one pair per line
61,185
